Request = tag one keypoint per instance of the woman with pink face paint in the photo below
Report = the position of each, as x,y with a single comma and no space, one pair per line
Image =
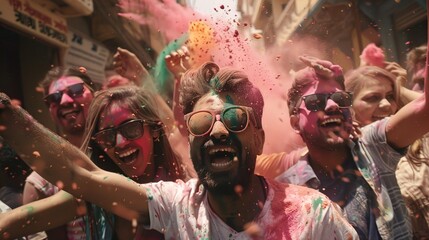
124,134
135,160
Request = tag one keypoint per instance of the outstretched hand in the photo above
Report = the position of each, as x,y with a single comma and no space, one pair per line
129,66
323,67
178,61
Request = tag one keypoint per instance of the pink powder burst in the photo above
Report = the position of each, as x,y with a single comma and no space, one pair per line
372,56
166,16
226,43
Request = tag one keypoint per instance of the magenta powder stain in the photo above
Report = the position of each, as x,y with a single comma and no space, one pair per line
372,56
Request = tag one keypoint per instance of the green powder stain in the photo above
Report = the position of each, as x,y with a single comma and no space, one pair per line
29,210
229,100
215,84
316,203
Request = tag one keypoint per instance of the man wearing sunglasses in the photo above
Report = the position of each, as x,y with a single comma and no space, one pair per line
223,113
68,93
358,174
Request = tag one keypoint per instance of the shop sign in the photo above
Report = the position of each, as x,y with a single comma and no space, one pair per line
86,52
33,19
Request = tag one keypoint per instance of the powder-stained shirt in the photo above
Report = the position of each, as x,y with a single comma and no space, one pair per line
181,211
376,161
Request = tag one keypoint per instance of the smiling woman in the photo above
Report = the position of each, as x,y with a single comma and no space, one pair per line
124,134
124,130
376,94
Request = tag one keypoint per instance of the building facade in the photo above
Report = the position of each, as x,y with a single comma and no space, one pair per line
341,27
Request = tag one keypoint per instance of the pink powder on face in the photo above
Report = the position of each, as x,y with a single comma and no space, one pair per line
372,56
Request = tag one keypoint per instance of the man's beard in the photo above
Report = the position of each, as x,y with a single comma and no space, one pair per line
73,129
321,141
223,183
330,138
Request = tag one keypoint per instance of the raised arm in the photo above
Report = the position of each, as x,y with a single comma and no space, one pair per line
40,215
411,121
58,161
129,66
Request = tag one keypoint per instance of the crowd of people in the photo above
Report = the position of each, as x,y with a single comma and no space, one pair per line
129,161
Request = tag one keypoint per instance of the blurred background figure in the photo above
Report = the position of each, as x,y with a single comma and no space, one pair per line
416,60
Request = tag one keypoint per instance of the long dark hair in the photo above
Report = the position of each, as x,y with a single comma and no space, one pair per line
140,102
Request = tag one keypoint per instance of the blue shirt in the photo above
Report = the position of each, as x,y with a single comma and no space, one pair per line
376,160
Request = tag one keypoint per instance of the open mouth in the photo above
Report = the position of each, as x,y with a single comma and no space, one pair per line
69,114
331,122
222,158
128,157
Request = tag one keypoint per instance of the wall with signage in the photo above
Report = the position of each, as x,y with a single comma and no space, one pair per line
85,52
35,20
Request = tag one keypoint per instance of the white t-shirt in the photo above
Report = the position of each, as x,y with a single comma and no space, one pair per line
181,211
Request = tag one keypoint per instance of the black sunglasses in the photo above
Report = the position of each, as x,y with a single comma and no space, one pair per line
73,91
130,130
317,102
235,119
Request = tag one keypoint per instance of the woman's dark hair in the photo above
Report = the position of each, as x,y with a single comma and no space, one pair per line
140,102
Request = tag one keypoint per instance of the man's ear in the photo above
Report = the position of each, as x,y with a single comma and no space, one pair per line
294,122
259,140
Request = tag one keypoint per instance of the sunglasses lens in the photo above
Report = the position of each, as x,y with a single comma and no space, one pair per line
200,123
315,102
343,99
132,130
53,98
235,119
75,90
106,138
